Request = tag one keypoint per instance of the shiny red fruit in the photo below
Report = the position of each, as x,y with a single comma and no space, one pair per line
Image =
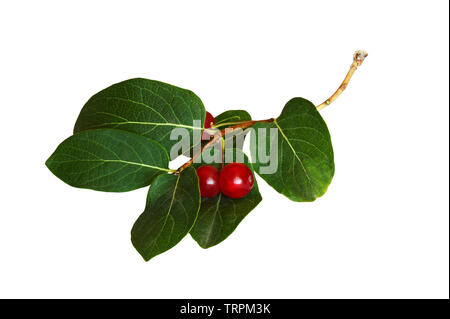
208,177
209,121
236,180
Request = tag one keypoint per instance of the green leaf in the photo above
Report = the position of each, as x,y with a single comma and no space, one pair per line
108,160
230,118
224,120
172,206
305,154
146,107
220,215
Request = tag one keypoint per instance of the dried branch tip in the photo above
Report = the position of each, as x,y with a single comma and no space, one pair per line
359,56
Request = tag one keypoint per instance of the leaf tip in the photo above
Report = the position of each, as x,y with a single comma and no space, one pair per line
49,163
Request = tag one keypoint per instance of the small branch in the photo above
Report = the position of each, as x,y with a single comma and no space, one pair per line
216,138
358,58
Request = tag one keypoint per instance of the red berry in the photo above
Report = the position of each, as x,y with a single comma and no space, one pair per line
209,121
236,180
208,177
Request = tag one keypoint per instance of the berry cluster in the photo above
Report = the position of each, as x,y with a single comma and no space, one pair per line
235,180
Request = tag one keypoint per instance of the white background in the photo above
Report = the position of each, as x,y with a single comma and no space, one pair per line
381,230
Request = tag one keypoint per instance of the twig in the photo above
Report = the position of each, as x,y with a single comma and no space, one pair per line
358,58
216,138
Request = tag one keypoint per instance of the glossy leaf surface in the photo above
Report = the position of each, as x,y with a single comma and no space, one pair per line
305,161
145,107
108,160
172,206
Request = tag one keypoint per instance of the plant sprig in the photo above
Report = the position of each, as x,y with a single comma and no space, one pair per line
121,143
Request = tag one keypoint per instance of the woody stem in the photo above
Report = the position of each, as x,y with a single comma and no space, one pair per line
358,58
216,138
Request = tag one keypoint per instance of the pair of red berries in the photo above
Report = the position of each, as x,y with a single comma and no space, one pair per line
235,180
